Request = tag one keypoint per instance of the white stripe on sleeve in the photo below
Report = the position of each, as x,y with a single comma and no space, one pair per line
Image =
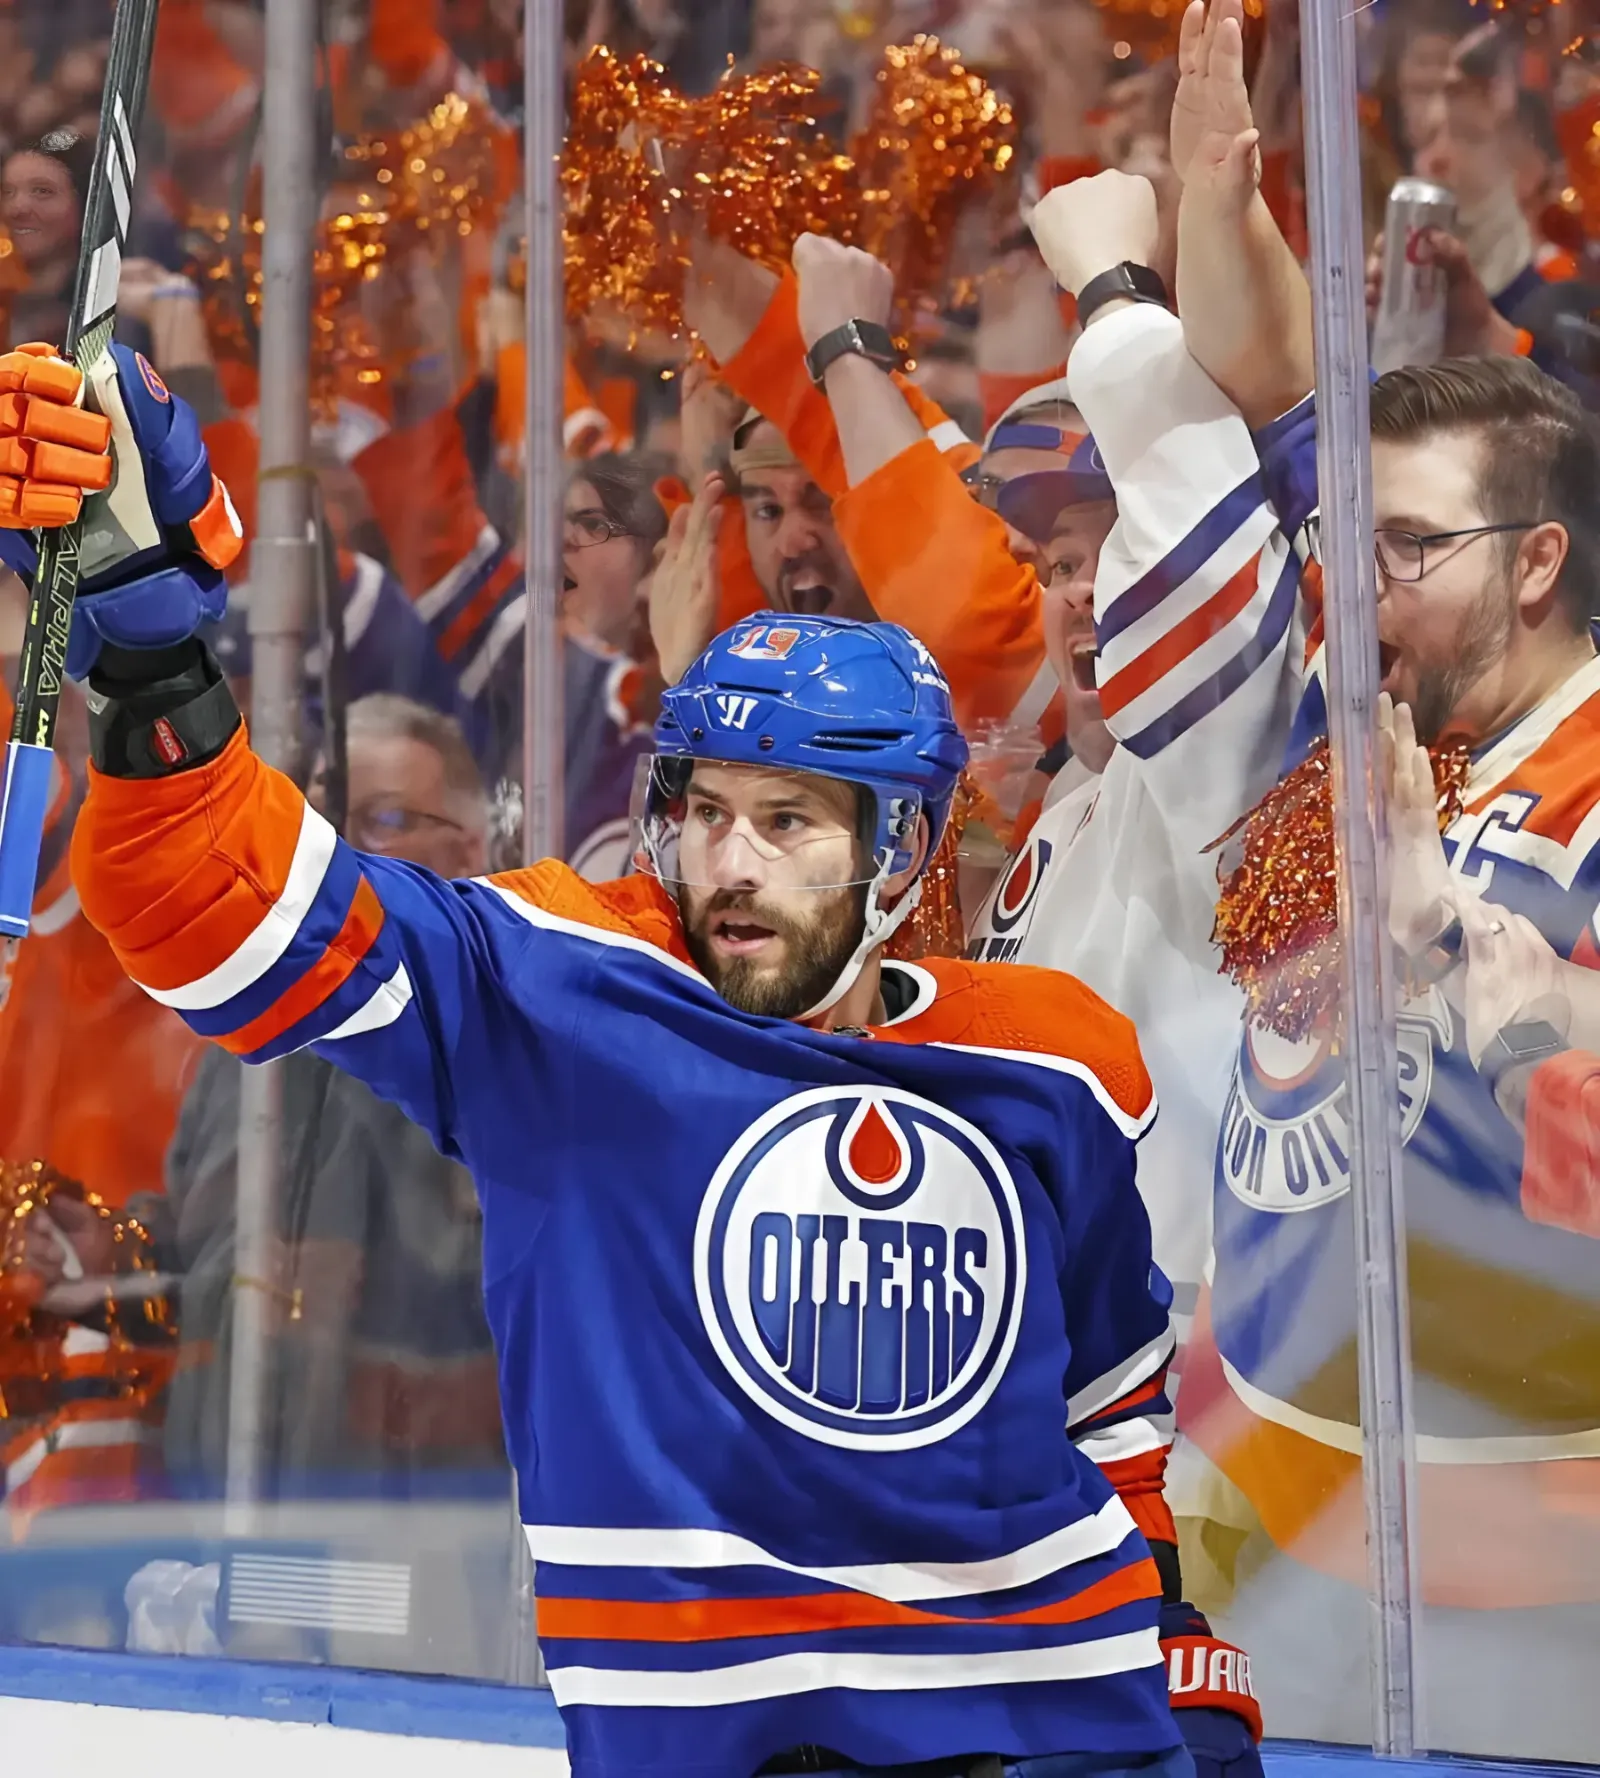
313,853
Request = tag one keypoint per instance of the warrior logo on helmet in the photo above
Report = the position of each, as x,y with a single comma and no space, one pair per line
859,1267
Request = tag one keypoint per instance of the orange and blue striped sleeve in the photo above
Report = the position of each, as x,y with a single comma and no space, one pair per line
229,899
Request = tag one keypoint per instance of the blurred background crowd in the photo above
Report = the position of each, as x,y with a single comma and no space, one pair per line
119,1138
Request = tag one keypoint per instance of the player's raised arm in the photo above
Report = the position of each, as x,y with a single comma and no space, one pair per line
929,557
224,894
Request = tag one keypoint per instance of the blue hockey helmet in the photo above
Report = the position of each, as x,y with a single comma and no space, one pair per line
860,702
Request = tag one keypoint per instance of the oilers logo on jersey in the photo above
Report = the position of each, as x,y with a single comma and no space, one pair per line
860,1268
1284,1143
1010,910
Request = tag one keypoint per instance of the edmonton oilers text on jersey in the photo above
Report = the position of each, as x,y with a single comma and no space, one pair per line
1284,1143
860,1269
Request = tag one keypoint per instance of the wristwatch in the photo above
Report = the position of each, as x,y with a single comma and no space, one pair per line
866,339
1518,1045
1135,282
1436,960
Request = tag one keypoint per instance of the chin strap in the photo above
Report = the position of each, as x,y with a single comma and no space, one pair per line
878,928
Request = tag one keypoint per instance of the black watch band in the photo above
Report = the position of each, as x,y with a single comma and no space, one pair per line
865,339
1136,283
1520,1044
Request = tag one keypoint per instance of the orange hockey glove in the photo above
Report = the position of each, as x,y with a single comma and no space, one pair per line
52,451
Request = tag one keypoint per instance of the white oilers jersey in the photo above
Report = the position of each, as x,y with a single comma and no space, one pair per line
1102,890
1116,884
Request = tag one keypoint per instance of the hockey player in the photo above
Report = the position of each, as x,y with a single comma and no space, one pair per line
850,1462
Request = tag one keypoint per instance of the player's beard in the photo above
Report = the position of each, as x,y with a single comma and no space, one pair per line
815,949
1481,640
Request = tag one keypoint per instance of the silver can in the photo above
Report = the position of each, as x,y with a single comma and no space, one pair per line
1409,325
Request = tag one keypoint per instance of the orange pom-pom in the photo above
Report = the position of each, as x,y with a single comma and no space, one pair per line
441,177
1277,922
935,135
752,166
139,1324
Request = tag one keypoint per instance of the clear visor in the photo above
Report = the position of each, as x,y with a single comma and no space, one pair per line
704,825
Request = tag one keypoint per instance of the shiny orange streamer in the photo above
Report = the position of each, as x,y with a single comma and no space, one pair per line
440,177
644,167
934,928
1277,922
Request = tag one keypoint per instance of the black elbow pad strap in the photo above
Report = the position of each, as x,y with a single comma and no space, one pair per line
159,711
1166,1555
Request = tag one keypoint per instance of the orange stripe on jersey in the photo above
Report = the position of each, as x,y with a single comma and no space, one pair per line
1018,1006
636,906
1181,641
178,873
328,974
1145,1392
1586,952
471,619
1562,771
712,1620
1139,1482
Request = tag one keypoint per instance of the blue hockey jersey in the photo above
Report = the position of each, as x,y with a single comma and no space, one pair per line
811,1345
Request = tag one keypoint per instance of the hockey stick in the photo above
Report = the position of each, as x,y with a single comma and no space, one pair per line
25,784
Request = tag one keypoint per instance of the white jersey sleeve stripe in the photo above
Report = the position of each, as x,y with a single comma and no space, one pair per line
1129,1438
947,435
448,588
385,1006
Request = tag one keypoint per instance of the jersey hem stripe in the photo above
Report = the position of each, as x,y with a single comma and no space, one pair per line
584,1546
1431,1448
788,1675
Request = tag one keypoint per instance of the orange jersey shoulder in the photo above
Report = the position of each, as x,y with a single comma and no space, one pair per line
1563,772
1040,1012
628,907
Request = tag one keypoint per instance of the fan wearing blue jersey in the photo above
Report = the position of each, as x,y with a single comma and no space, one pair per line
831,1351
